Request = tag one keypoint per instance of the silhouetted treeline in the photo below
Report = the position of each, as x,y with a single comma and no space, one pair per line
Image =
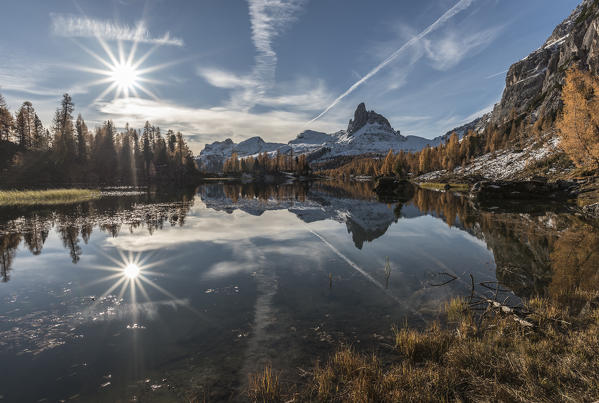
267,164
70,152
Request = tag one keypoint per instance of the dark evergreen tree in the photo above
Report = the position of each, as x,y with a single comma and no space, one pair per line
6,121
82,136
64,141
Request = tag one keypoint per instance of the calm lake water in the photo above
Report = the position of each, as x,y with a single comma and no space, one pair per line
152,297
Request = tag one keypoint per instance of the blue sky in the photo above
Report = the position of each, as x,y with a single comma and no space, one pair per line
230,68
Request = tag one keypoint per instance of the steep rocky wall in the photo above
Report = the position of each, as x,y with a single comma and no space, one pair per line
533,85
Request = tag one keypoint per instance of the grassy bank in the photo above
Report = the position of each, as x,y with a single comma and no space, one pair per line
461,187
550,354
45,197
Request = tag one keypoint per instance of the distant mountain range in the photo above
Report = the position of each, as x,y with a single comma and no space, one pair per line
367,133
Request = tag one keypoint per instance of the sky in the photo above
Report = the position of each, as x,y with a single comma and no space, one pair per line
217,69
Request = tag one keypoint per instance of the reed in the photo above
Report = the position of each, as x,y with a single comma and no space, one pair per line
387,272
264,386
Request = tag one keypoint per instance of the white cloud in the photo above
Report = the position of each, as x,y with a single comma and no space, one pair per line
85,27
301,94
451,48
224,79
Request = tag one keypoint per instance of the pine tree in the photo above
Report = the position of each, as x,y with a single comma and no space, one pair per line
64,142
424,161
172,141
125,161
82,136
148,155
6,121
41,137
387,167
452,151
106,156
25,126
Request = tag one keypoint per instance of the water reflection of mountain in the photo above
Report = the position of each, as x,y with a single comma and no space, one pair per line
355,205
74,223
523,238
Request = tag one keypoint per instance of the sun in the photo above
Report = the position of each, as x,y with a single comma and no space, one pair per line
125,76
123,73
131,271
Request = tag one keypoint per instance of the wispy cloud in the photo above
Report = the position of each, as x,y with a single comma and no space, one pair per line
26,78
224,79
457,8
84,27
268,20
448,51
300,94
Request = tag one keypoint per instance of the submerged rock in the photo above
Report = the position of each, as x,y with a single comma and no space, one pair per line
524,190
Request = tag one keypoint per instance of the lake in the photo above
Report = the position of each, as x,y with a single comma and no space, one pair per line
146,296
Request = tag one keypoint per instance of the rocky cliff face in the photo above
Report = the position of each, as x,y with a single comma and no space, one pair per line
533,85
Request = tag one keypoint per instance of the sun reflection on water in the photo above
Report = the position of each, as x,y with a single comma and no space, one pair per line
132,270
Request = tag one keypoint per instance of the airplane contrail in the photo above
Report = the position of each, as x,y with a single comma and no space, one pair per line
459,6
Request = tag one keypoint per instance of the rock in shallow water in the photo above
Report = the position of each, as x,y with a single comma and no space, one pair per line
525,190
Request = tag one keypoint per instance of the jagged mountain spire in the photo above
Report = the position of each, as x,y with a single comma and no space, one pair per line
362,117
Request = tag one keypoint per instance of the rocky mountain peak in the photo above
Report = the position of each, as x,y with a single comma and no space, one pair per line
362,117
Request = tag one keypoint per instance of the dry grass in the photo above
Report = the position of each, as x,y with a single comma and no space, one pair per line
45,197
264,386
473,358
460,187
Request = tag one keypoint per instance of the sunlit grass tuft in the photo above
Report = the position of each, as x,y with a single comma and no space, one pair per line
457,309
264,386
46,197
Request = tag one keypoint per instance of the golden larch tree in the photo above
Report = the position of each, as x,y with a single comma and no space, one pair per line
578,125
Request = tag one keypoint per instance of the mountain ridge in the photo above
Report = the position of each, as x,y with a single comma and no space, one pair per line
367,133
